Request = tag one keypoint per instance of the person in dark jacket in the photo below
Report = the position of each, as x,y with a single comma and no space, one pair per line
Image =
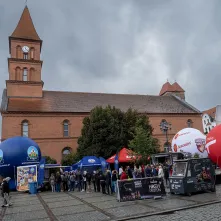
114,181
94,179
166,174
108,181
79,179
5,192
88,178
97,180
148,171
58,182
129,172
102,178
153,171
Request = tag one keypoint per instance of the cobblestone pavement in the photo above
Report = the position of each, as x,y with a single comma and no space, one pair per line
79,206
204,213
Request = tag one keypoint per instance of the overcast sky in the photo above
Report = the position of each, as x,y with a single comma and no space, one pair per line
124,46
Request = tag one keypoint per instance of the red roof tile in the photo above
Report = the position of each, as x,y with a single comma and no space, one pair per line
167,87
73,102
177,87
211,112
25,27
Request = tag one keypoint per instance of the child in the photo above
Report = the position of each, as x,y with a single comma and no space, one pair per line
5,192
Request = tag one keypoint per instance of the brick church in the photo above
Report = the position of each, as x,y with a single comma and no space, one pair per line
54,118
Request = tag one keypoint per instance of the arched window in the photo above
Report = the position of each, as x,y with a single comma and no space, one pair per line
189,123
164,126
66,151
25,56
18,51
17,73
25,74
32,53
31,75
24,128
66,128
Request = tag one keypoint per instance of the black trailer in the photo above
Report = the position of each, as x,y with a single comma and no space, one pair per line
192,175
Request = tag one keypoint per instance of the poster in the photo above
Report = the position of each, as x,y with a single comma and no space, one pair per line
141,188
26,174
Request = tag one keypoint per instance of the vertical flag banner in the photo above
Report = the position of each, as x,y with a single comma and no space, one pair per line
103,164
41,172
116,162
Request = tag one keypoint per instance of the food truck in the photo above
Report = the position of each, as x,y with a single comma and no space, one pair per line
192,175
168,157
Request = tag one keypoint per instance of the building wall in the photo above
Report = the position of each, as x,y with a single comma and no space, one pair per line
207,123
47,129
18,89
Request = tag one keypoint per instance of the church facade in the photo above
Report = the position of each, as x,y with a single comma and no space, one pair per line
54,118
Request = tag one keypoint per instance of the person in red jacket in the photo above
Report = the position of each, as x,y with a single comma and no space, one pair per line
124,175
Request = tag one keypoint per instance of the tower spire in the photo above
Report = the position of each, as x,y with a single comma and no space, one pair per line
25,28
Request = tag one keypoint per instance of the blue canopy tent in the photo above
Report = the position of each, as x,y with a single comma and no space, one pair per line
90,163
75,166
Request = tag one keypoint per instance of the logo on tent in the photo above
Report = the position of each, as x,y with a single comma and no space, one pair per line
91,161
42,166
1,157
32,153
116,161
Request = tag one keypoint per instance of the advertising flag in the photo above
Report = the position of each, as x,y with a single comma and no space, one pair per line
41,172
116,162
103,164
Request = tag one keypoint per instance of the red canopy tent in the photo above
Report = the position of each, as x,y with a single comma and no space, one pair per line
124,156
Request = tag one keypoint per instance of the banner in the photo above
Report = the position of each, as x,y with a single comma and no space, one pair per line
116,162
103,164
26,174
141,188
41,171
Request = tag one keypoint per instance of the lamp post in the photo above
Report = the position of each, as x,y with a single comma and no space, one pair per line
164,127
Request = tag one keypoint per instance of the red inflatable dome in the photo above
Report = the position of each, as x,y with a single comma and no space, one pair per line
213,145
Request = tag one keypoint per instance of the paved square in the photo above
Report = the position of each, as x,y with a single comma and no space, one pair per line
83,206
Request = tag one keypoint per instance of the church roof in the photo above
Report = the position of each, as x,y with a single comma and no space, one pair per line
25,28
79,102
167,87
177,87
211,112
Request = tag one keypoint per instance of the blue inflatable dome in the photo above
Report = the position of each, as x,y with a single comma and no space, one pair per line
17,151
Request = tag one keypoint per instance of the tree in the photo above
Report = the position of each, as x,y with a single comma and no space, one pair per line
49,160
143,143
109,129
69,159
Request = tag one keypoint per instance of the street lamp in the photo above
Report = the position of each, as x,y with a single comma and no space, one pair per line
164,127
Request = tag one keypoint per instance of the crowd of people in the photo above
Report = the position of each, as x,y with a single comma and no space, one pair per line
104,181
97,181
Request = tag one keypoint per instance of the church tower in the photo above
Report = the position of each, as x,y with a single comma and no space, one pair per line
24,64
